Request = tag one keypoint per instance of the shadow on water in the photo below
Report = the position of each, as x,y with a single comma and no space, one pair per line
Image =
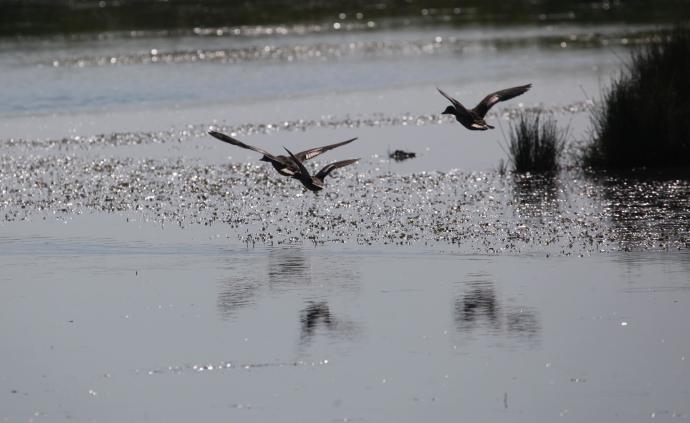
479,311
648,210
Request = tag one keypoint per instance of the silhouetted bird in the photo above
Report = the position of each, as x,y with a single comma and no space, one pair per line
474,119
315,183
283,164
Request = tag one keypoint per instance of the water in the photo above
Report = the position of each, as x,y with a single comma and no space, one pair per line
301,334
152,272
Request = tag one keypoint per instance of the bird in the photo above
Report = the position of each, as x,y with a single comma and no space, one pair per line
315,183
474,119
283,164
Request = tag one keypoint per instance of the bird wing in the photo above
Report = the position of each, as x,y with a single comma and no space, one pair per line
502,95
303,174
313,152
333,166
230,140
458,106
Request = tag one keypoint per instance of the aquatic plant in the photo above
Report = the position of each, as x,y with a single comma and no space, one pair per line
535,144
642,120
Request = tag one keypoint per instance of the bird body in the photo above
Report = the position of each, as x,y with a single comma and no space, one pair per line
316,183
283,164
473,119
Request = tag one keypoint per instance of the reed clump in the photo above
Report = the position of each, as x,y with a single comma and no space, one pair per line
535,143
644,116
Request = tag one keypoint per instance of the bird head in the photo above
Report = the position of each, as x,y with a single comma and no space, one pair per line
264,159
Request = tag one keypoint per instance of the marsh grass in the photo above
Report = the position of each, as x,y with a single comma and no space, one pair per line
535,143
644,116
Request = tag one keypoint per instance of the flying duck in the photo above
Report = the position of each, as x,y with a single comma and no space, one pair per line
474,119
283,164
315,183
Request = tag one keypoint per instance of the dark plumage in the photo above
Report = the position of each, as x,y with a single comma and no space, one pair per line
474,119
315,182
283,164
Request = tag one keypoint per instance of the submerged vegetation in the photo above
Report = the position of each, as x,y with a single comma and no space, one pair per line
535,144
643,120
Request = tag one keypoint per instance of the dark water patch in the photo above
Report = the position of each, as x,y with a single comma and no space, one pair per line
89,16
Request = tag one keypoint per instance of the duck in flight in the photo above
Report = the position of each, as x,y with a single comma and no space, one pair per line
315,183
283,164
474,119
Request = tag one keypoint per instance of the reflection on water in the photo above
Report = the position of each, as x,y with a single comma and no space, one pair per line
478,309
237,290
250,279
313,316
648,212
536,196
288,266
317,318
285,267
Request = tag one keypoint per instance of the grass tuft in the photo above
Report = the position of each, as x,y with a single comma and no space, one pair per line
535,144
644,116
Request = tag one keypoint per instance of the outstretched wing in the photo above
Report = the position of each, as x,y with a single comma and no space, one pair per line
313,152
333,166
230,140
458,106
303,174
502,95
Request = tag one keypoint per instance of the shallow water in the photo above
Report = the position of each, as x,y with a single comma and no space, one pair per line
152,272
323,334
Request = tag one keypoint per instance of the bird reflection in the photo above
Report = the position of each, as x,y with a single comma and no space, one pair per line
317,317
236,292
288,266
479,309
477,305
313,316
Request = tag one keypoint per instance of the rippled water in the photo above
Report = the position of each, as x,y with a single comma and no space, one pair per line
144,261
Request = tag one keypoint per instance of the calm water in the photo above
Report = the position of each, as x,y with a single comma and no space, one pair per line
175,332
153,273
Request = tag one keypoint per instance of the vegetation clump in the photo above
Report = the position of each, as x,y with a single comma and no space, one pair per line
535,144
644,116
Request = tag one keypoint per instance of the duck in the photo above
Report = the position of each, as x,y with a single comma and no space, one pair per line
316,183
283,164
474,119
